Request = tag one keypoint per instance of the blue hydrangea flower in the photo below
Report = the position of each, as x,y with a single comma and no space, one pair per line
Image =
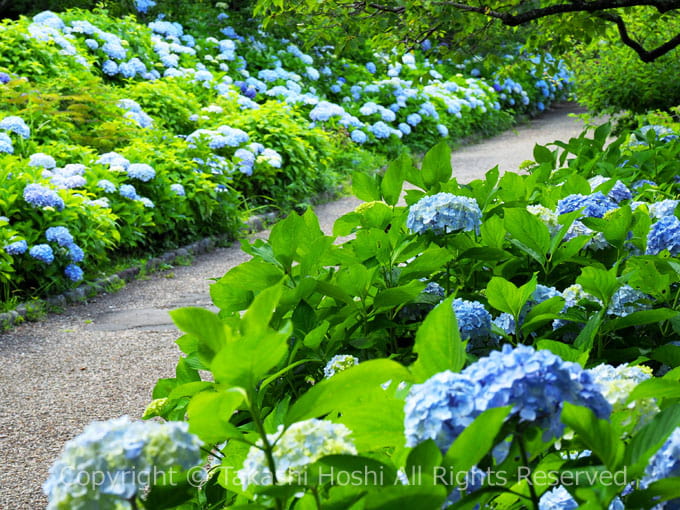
178,190
107,186
443,130
6,145
59,235
593,205
404,128
17,247
128,191
42,252
557,499
4,78
40,196
619,193
440,409
42,160
536,383
73,273
141,172
15,125
358,136
380,130
110,68
75,252
146,202
414,119
665,463
664,235
91,44
627,300
370,67
121,454
663,208
474,321
443,213
143,6
506,323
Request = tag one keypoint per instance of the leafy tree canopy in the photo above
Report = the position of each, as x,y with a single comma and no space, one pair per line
556,23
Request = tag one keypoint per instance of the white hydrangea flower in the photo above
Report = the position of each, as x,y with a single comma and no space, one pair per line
339,363
301,444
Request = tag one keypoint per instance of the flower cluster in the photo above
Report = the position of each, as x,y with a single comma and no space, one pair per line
123,454
664,235
301,444
338,363
474,321
560,499
443,213
665,463
534,383
594,205
617,383
38,195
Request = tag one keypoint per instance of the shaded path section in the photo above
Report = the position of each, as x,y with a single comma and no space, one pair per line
101,359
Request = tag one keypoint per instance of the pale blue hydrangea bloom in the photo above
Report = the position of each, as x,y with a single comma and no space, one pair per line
17,247
380,130
16,125
627,300
50,19
664,235
338,363
665,463
358,136
619,193
120,455
404,128
141,172
616,385
146,202
370,67
73,273
474,321
443,213
443,130
301,444
41,196
506,322
6,145
414,119
272,158
91,44
128,191
178,189
42,160
557,499
107,186
594,205
113,159
42,252
110,68
59,235
325,110
143,6
663,208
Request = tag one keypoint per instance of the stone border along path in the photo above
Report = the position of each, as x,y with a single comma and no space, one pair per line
99,360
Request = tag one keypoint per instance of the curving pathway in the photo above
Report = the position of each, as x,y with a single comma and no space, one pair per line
101,359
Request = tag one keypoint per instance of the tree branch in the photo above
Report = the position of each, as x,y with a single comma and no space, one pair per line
645,55
514,20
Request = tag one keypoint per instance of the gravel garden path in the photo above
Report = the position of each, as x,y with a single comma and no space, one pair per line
100,359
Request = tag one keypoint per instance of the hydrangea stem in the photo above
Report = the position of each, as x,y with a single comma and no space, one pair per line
525,460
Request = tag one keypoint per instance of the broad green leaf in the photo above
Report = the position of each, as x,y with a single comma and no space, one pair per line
424,458
365,187
437,164
438,343
255,321
528,233
586,338
618,225
639,318
355,469
209,413
598,435
506,297
475,441
655,388
236,289
493,232
396,296
599,282
668,354
401,497
544,155
393,179
246,360
650,438
564,351
347,388
314,338
206,326
430,261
